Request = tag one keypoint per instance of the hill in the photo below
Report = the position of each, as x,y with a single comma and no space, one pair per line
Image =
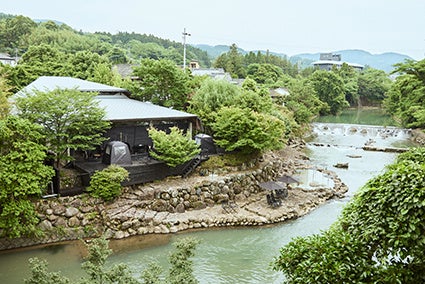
384,61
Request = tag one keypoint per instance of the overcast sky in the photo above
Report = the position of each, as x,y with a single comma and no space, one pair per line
284,26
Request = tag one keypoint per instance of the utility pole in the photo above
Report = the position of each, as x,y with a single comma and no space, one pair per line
184,48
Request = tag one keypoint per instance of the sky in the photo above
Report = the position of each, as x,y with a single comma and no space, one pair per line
284,26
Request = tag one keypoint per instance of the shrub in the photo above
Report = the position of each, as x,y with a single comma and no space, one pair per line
174,148
106,183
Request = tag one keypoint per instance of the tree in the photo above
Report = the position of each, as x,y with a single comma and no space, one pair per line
162,82
373,84
350,78
247,131
210,97
71,119
174,148
330,90
405,99
13,30
380,237
23,175
231,62
4,94
264,73
302,101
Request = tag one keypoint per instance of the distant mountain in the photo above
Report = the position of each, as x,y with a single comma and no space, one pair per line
384,61
59,23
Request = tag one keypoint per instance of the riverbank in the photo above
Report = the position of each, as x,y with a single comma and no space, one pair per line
177,204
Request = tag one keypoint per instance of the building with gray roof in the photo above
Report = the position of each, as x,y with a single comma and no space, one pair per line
329,60
130,118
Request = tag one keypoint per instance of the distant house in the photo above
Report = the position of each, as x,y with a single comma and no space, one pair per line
130,118
279,92
7,60
328,60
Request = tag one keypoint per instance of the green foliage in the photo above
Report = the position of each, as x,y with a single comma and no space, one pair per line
162,82
247,130
329,88
71,119
22,175
264,73
40,274
380,237
181,270
106,183
405,99
372,86
302,101
210,97
95,266
174,148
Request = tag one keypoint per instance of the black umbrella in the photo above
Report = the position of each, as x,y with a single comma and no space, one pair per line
287,179
270,185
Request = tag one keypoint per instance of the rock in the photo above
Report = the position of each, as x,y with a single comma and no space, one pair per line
159,205
60,222
59,210
119,235
71,211
45,225
180,208
73,222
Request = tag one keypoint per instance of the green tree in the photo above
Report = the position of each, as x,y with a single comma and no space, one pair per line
83,64
329,88
106,183
247,131
264,73
13,30
232,62
405,99
23,175
350,78
174,148
162,82
373,84
210,97
71,119
181,270
41,275
5,92
40,60
302,101
380,237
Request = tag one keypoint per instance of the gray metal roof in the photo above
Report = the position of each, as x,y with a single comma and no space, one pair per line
50,83
121,108
118,106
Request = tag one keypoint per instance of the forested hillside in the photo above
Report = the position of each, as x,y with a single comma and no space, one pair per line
18,33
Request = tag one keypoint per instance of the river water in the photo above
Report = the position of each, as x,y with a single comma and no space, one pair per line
238,255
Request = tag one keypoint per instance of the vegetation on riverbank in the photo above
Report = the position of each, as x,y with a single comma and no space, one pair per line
380,236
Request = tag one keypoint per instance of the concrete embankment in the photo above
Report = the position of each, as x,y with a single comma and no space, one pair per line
178,204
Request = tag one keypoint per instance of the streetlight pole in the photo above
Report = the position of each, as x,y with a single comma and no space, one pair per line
184,48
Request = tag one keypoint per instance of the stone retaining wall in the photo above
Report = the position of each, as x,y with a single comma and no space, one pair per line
172,205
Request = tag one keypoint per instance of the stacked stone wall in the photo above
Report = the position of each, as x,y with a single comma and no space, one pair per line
167,206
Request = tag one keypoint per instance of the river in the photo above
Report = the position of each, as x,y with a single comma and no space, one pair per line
238,255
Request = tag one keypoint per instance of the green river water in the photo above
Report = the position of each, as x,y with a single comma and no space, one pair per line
243,255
